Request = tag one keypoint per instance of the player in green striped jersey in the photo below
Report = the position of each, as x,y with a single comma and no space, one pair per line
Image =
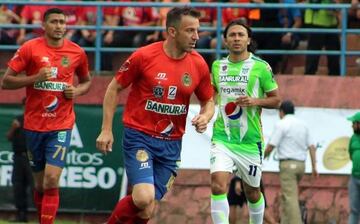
244,84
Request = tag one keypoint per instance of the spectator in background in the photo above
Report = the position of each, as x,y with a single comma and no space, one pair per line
354,183
207,19
322,19
236,197
86,38
289,18
292,139
135,16
31,14
21,175
7,16
268,18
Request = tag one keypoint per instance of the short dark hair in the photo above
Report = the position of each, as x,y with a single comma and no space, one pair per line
252,46
52,11
173,17
287,107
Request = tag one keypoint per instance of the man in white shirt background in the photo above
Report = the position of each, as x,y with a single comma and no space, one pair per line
292,139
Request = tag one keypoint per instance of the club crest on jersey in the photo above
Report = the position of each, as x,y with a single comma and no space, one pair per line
50,103
233,111
142,155
158,91
165,127
186,80
125,66
65,61
224,68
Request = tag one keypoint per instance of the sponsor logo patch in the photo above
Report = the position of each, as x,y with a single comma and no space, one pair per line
233,111
164,108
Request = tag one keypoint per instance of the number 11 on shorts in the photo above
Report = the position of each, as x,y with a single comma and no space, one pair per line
252,170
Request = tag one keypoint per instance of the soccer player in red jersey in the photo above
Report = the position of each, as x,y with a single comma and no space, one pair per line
163,76
50,63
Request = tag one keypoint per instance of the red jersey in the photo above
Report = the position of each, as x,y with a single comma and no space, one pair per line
46,107
159,98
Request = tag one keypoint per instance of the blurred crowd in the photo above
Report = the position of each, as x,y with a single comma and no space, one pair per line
155,16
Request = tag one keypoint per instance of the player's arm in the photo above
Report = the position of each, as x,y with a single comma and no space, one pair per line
14,126
105,140
269,148
272,100
207,110
11,79
82,88
312,151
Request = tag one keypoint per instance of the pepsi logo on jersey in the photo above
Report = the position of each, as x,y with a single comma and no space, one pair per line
165,127
233,111
50,103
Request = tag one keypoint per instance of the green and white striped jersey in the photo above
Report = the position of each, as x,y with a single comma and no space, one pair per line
239,129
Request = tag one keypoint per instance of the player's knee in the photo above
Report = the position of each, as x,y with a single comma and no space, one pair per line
143,199
218,188
253,195
50,181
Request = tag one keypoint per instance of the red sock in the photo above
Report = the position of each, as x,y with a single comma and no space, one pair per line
49,206
38,197
124,211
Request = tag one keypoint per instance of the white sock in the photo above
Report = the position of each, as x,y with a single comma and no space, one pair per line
256,211
219,209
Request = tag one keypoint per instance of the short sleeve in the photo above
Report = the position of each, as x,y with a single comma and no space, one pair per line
214,74
83,69
267,80
21,59
129,70
204,91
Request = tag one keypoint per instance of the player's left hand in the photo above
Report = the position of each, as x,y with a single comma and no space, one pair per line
70,92
200,122
245,101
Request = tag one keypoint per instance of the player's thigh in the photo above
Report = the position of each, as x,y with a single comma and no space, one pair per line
220,159
138,157
35,145
249,168
56,148
166,164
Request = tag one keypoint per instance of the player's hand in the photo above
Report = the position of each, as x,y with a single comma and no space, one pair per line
315,173
44,74
105,141
200,123
245,101
70,92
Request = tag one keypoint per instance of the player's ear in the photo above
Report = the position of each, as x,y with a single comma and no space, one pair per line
171,31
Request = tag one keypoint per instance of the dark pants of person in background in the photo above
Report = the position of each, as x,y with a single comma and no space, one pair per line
22,185
316,42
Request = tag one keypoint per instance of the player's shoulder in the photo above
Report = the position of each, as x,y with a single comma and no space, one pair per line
72,45
259,61
34,42
197,58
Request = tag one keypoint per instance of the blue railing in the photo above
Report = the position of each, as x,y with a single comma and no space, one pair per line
343,52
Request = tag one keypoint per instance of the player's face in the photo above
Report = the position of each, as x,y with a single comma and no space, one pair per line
237,39
55,26
356,127
187,33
